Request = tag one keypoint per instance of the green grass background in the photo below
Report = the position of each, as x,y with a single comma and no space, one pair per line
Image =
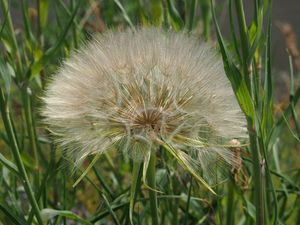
35,179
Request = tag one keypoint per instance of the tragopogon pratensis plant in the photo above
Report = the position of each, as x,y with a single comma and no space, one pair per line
140,90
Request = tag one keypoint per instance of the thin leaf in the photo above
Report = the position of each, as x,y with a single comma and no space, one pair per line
134,188
6,11
181,157
115,218
256,34
6,74
48,214
103,182
206,17
43,12
174,15
290,129
237,81
8,213
156,12
292,94
145,168
125,15
8,164
267,117
191,14
95,159
37,66
233,33
278,126
4,22
28,30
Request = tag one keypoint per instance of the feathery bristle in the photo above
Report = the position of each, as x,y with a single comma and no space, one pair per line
134,90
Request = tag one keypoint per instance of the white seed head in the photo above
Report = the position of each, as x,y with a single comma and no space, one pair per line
134,90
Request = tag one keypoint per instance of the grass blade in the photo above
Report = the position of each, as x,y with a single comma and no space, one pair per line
9,165
134,188
125,15
191,14
8,213
185,164
48,214
174,15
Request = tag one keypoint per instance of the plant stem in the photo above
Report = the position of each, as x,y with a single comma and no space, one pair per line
16,153
230,202
135,185
243,28
188,201
244,38
152,194
74,29
258,185
30,126
206,17
191,16
11,33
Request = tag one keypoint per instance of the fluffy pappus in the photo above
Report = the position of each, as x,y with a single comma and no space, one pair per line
137,90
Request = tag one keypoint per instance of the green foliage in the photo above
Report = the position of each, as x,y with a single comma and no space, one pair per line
36,182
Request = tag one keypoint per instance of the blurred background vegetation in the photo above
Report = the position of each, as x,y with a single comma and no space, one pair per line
35,179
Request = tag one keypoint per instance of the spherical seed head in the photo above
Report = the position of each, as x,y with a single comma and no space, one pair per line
135,90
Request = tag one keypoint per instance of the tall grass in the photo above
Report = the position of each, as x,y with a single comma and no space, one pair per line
36,182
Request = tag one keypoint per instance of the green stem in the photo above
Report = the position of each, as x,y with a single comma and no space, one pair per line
243,28
103,182
230,202
257,178
188,202
175,207
152,194
191,16
43,187
39,26
16,153
244,38
135,185
30,125
11,32
74,28
114,216
206,17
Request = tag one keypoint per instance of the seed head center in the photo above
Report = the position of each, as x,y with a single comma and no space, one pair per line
149,121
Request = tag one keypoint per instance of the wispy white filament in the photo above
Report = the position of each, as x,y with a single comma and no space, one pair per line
133,90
